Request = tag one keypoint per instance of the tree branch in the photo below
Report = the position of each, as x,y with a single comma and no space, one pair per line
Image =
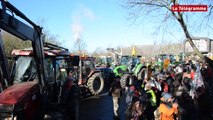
177,15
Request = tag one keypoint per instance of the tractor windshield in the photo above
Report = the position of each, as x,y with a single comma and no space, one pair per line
88,67
129,60
125,60
89,64
135,60
25,69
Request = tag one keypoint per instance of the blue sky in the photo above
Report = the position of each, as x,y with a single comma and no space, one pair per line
100,23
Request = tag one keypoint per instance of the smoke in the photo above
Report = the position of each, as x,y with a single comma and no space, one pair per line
82,13
77,30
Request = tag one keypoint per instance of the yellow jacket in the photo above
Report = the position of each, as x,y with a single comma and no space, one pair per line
153,98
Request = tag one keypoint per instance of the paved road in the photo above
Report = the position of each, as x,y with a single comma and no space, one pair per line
100,107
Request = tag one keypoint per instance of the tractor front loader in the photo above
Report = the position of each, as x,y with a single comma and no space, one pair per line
25,96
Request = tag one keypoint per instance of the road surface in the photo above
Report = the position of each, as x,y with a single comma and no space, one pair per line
100,107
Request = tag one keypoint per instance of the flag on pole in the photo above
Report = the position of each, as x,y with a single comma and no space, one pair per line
133,51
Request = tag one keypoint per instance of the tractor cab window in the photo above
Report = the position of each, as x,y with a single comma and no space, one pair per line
124,61
60,69
88,67
135,61
25,69
49,69
61,73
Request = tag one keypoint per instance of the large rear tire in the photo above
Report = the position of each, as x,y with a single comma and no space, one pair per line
125,80
95,83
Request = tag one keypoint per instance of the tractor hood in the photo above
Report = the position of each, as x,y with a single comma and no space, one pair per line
18,93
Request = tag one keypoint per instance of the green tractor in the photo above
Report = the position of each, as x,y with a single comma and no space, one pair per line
161,60
130,69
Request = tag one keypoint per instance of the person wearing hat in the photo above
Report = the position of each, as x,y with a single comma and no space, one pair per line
167,108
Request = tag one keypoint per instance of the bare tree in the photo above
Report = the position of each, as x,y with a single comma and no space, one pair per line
80,46
161,10
98,52
49,37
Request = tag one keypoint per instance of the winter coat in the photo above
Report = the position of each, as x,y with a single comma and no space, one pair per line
166,113
169,81
116,89
152,97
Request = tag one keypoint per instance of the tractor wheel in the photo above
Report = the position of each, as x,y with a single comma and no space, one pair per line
125,80
95,83
141,74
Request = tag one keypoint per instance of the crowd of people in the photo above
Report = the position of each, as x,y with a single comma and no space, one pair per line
177,92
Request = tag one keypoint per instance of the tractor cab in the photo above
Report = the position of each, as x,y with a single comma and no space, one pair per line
32,90
104,60
25,100
130,61
57,61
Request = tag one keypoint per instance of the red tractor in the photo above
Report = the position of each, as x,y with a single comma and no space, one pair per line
94,78
57,61
32,91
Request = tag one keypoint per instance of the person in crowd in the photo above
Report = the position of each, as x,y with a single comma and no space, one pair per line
186,85
185,75
169,81
136,110
68,84
192,72
130,91
187,109
167,108
71,96
204,104
177,84
162,80
116,92
206,72
151,105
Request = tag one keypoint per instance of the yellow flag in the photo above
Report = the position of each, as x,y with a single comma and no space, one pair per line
133,51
